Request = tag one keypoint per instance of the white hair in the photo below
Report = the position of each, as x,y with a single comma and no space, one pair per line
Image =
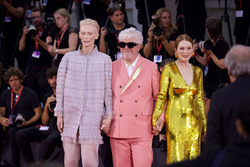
131,33
237,60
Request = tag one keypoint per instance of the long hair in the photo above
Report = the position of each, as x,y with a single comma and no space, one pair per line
167,30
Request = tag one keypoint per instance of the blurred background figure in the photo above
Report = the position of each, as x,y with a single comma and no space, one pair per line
153,6
225,102
39,59
50,6
65,40
216,75
109,35
242,22
12,12
190,19
161,37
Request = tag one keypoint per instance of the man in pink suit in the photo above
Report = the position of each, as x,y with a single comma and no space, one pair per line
135,84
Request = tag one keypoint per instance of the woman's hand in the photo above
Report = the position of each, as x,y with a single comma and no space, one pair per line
195,45
104,32
59,123
150,33
106,122
208,52
158,127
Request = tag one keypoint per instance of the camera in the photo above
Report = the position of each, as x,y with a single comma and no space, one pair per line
157,30
49,23
16,119
32,29
208,45
110,29
52,105
19,119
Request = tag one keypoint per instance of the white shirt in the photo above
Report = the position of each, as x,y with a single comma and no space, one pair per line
131,67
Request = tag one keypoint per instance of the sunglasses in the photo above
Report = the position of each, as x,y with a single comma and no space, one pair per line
129,44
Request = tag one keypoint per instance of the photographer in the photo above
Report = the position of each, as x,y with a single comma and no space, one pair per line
20,110
109,35
39,59
161,37
48,133
12,12
216,75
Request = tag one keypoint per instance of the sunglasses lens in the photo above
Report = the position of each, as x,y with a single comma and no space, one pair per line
131,44
122,44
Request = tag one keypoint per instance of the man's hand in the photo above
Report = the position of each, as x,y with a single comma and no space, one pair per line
49,100
4,121
159,125
23,124
35,38
60,123
25,30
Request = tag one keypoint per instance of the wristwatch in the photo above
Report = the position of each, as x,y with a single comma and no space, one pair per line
56,51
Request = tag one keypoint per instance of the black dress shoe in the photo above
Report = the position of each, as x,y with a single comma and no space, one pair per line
163,146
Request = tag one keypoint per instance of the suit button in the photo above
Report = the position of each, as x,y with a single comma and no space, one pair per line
121,101
136,101
120,115
136,115
120,86
139,86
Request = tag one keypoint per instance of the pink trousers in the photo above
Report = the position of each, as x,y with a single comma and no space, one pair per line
132,152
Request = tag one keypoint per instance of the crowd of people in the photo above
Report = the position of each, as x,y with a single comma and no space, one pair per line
117,94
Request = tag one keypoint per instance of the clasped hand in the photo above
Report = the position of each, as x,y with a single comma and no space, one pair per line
158,127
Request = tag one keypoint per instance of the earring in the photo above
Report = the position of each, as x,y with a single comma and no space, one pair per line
176,55
193,54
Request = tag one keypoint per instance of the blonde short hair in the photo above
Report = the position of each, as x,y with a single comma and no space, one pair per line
90,22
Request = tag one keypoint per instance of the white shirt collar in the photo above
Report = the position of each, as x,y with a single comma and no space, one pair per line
133,64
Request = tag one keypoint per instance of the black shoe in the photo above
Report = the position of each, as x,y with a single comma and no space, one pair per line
163,146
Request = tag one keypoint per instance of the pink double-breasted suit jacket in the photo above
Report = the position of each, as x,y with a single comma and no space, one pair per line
134,107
